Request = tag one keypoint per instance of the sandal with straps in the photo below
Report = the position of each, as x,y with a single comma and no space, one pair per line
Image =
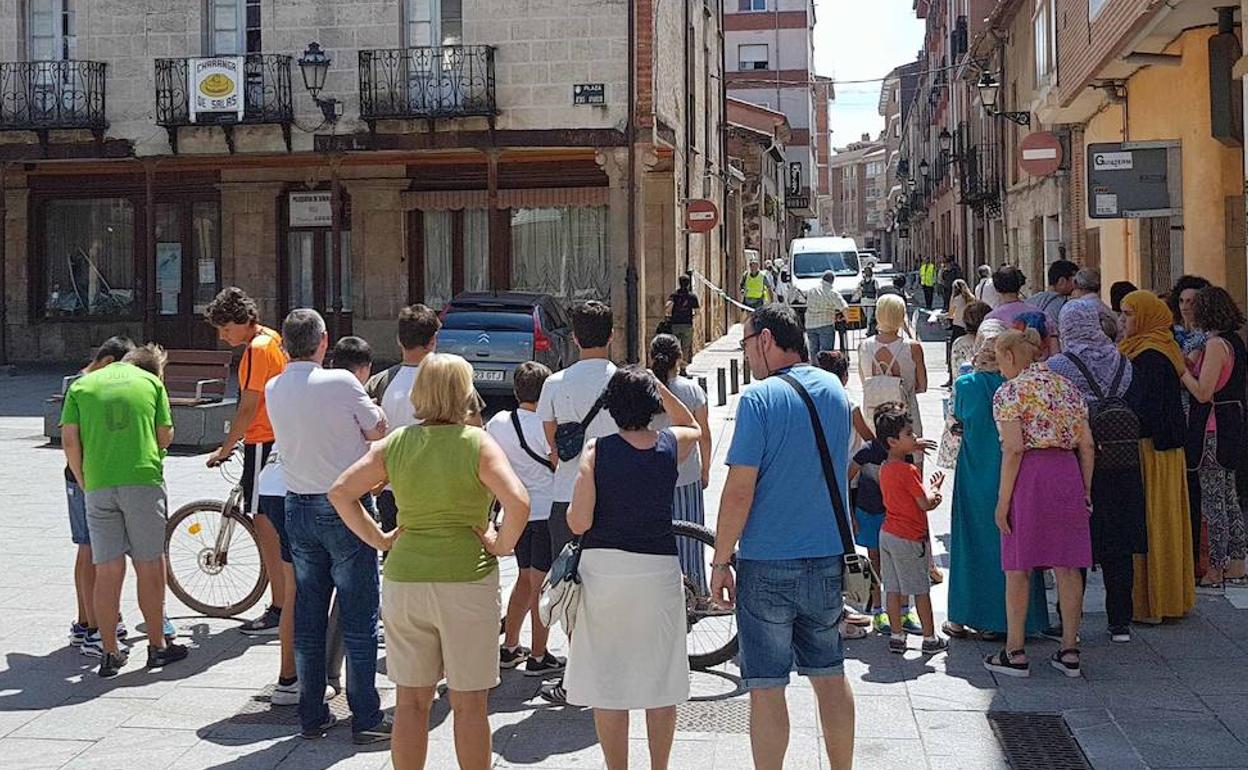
1066,667
1003,663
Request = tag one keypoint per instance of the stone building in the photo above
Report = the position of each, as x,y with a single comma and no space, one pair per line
153,153
756,144
859,176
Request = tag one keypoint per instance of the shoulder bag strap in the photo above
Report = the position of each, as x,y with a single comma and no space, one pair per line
515,423
594,410
825,456
1087,375
1122,368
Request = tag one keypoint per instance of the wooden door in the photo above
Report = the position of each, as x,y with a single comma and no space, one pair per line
188,272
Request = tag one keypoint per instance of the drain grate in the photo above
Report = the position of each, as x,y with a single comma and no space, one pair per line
1037,741
716,716
259,711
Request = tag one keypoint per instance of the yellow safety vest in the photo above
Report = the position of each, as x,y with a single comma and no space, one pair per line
755,286
927,274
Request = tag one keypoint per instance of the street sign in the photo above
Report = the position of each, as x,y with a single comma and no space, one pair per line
589,93
701,215
1132,180
1040,153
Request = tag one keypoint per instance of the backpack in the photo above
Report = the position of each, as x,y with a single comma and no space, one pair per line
881,388
1115,427
378,383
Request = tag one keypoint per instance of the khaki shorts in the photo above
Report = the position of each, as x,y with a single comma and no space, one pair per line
437,629
126,520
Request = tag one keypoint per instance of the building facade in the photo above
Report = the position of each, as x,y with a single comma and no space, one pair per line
454,145
769,45
756,144
860,186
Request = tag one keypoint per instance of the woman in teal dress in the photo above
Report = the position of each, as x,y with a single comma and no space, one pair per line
976,582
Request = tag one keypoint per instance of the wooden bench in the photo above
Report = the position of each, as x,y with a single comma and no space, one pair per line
197,382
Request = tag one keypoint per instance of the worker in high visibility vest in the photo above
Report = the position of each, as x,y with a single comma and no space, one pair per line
927,279
757,288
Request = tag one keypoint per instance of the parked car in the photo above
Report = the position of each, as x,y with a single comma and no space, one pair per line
498,331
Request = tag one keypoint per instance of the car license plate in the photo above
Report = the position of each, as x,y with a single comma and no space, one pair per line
481,375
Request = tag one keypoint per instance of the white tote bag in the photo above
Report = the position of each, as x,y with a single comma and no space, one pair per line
881,387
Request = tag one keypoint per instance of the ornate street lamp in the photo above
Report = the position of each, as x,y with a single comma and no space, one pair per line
314,65
989,93
925,168
945,140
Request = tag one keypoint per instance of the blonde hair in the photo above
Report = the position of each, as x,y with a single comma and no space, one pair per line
890,313
443,390
150,358
1020,342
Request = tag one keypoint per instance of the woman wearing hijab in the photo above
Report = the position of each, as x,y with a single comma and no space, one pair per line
976,582
1091,361
1164,587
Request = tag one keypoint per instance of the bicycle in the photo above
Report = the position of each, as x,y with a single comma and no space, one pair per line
213,556
712,631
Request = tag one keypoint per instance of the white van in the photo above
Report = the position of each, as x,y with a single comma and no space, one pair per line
810,258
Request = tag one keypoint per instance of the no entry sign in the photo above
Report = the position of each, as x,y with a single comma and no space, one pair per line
1040,153
701,215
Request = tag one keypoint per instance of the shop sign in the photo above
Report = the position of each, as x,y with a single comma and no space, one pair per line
1133,180
797,202
215,85
311,209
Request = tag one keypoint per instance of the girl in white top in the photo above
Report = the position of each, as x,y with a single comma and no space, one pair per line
889,353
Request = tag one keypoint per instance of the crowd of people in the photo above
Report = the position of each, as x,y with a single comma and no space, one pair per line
1082,434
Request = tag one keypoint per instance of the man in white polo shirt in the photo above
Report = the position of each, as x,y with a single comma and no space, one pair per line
323,420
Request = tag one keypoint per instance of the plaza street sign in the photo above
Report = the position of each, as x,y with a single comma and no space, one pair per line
1133,180
589,93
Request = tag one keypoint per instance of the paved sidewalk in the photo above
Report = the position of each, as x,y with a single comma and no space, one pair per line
1173,698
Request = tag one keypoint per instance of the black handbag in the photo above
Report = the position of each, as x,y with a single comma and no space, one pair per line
859,579
570,436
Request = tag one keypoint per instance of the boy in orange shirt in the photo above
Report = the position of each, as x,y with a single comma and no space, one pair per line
904,537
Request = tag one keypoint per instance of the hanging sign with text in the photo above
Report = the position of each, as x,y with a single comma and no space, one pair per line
215,86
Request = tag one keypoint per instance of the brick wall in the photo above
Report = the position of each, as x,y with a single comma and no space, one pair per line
1083,45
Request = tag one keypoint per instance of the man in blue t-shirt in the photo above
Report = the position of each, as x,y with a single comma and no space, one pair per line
787,589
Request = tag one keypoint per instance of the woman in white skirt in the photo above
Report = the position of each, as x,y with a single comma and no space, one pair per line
628,650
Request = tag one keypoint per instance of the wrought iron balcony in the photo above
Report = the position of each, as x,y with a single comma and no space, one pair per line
427,82
44,95
266,97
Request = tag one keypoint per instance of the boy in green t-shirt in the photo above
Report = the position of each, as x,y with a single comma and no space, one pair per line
116,424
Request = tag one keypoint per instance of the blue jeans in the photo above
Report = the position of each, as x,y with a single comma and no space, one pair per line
327,555
788,618
824,338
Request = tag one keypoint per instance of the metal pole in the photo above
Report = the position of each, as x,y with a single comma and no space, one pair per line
335,201
746,369
734,375
721,378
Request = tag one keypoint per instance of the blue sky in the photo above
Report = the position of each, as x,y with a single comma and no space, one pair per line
856,40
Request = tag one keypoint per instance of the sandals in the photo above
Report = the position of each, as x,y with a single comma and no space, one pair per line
1057,660
991,636
1003,663
936,576
954,632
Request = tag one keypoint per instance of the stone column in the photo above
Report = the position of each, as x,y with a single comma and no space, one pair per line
614,162
378,258
249,233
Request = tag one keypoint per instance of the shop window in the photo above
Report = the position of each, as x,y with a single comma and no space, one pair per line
476,250
561,251
307,288
439,244
752,57
88,258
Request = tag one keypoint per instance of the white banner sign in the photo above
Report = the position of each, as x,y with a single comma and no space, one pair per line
215,85
1113,161
310,209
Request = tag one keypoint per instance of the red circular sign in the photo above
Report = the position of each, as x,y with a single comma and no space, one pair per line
1040,153
701,215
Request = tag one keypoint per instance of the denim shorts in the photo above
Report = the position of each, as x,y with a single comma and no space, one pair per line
788,619
274,508
77,502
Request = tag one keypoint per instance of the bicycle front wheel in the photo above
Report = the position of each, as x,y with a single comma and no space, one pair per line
213,559
712,632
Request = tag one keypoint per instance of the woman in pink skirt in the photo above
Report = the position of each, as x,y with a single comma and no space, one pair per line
1044,501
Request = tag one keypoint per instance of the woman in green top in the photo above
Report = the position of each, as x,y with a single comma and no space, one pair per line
440,591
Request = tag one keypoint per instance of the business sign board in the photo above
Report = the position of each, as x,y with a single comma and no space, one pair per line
311,209
215,86
1133,180
794,184
589,93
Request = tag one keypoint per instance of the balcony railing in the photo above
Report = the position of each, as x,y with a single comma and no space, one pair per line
427,82
266,97
45,95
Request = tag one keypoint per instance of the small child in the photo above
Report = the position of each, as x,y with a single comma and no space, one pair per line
904,535
353,354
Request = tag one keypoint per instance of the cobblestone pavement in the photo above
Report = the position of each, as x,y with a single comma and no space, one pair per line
1173,698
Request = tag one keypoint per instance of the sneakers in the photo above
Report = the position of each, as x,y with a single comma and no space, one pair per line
265,625
93,644
319,732
288,694
554,693
159,657
1120,634
376,734
112,663
897,645
169,630
880,623
910,623
77,634
510,657
933,646
547,665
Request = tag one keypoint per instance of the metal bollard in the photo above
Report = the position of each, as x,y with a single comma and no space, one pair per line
702,383
722,394
734,375
745,368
